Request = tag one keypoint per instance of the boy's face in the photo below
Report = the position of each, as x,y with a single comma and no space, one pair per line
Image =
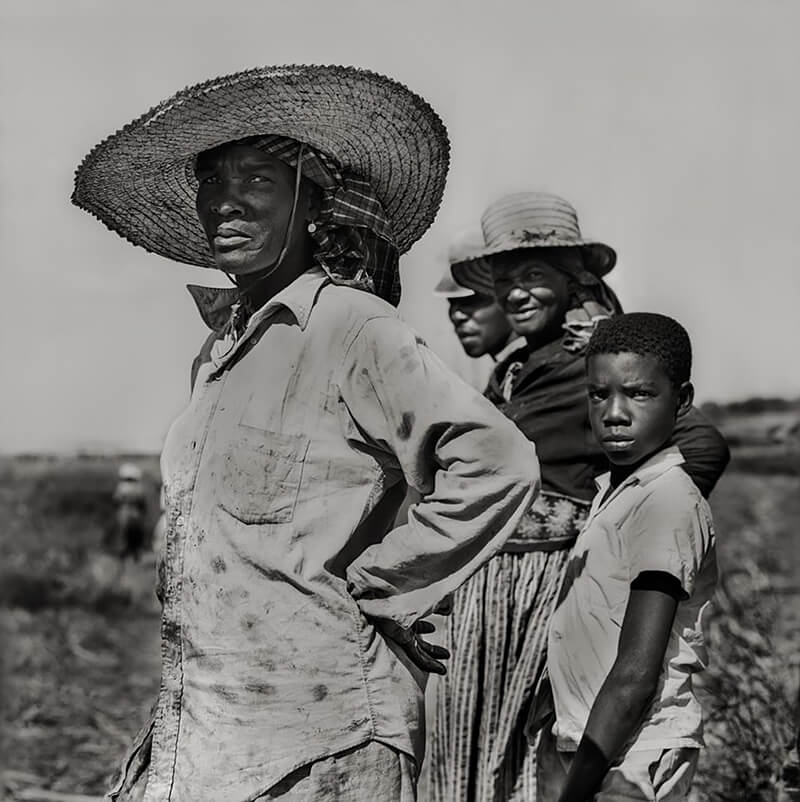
633,405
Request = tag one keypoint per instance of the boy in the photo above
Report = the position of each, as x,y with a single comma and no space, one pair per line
626,636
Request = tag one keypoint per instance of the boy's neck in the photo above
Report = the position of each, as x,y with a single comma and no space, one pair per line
619,473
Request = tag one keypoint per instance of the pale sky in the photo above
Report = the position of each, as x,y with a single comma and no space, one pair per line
672,127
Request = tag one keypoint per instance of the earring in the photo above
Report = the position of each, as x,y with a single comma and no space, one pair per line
312,227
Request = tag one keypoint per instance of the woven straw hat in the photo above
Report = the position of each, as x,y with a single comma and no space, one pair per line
537,220
140,181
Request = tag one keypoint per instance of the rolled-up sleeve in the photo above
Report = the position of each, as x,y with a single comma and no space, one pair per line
477,474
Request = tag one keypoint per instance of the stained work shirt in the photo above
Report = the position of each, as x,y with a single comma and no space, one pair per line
656,520
282,478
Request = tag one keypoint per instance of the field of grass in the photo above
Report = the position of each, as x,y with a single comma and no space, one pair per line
80,663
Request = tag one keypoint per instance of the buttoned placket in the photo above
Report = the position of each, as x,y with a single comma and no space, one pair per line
168,716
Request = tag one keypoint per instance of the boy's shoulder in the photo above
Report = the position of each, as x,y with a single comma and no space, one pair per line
671,510
669,496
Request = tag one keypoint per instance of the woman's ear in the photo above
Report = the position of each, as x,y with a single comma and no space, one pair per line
313,200
685,398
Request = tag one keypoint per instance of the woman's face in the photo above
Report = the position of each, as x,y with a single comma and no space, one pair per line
244,203
534,295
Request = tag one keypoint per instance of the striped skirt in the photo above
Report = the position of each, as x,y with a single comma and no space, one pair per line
497,636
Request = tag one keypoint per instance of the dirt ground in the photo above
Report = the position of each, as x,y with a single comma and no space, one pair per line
81,652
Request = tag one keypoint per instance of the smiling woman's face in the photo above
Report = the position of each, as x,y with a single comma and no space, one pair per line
534,295
244,203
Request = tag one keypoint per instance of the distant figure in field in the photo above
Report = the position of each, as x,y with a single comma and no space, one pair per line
130,497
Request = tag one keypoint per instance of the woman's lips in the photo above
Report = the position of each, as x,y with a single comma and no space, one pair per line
228,240
523,314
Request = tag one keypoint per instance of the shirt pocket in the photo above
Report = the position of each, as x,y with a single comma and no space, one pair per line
261,475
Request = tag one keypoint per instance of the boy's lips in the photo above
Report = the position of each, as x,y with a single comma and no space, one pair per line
617,442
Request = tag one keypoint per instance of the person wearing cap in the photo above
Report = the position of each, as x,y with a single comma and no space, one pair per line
292,666
549,280
478,321
130,500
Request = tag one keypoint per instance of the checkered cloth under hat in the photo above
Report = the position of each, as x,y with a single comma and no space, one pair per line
354,240
139,181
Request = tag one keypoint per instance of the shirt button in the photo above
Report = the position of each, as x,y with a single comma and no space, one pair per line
181,521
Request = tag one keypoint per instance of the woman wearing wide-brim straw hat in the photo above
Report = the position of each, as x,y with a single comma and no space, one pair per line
549,280
292,666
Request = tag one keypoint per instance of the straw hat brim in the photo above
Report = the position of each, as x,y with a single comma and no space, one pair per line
598,257
140,182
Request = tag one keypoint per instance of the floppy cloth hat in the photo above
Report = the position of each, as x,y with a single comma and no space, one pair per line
539,220
140,181
527,220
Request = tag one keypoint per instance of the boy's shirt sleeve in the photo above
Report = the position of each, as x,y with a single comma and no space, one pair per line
477,474
668,533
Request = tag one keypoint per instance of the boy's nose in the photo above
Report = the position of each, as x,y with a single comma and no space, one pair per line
615,413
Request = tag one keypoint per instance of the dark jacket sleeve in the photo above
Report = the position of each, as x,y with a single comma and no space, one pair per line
703,447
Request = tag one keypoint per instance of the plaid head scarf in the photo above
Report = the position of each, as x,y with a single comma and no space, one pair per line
591,301
354,240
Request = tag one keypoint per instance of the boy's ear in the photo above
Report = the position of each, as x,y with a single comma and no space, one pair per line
685,398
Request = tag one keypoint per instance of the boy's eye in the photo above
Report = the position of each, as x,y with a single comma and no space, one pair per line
596,395
209,179
641,393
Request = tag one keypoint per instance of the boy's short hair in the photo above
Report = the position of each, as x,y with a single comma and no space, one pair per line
646,333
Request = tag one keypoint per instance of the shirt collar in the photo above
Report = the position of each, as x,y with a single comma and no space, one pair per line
216,304
656,466
514,343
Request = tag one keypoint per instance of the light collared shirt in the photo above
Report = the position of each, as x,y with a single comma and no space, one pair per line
515,343
282,479
656,520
